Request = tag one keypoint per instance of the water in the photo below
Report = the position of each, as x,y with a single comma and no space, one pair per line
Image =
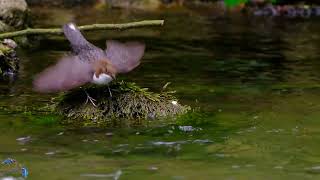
256,83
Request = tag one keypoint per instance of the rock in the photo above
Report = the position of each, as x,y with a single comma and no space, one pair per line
286,2
287,11
13,15
213,9
61,3
129,105
313,170
135,4
144,4
10,43
9,62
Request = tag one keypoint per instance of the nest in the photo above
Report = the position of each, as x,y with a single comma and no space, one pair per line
122,104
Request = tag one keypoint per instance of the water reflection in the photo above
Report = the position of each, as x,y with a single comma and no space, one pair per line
258,77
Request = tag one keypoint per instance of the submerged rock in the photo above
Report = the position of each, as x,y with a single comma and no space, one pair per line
255,8
13,15
135,4
63,3
289,11
128,105
9,62
144,4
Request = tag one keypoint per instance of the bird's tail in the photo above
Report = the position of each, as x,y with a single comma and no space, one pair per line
73,34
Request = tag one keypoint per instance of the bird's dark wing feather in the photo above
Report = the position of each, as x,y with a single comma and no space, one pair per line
68,73
76,39
124,56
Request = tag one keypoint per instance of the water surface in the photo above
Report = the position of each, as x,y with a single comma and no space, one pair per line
255,81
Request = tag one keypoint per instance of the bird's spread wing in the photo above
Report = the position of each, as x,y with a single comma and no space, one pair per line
124,56
68,73
76,39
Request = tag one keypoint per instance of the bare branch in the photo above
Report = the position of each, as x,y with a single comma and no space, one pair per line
58,31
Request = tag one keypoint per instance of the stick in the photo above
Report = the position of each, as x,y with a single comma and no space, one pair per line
58,31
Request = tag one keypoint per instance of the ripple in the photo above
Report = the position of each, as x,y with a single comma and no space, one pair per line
115,175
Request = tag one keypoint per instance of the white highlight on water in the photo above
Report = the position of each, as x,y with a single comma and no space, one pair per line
114,176
11,178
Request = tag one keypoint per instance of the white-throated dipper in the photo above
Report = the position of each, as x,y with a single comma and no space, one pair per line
88,63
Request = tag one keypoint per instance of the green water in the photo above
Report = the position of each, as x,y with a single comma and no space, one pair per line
256,83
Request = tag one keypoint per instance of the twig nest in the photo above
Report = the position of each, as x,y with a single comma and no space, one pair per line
125,104
9,62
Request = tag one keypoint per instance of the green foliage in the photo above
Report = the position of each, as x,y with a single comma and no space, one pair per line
133,88
194,118
43,120
232,3
4,49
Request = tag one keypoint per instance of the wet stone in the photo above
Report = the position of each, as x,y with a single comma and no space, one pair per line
61,3
24,140
153,168
249,165
50,153
114,176
235,166
313,170
286,11
278,167
109,134
188,128
202,141
13,15
11,178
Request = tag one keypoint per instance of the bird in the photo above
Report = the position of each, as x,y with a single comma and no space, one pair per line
88,63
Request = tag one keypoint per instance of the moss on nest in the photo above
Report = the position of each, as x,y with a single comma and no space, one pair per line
4,49
129,105
8,61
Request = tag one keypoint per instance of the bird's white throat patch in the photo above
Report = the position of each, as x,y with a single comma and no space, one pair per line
102,79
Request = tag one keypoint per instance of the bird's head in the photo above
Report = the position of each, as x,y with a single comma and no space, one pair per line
104,66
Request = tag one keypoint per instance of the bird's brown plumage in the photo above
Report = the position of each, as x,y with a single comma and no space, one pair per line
104,66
